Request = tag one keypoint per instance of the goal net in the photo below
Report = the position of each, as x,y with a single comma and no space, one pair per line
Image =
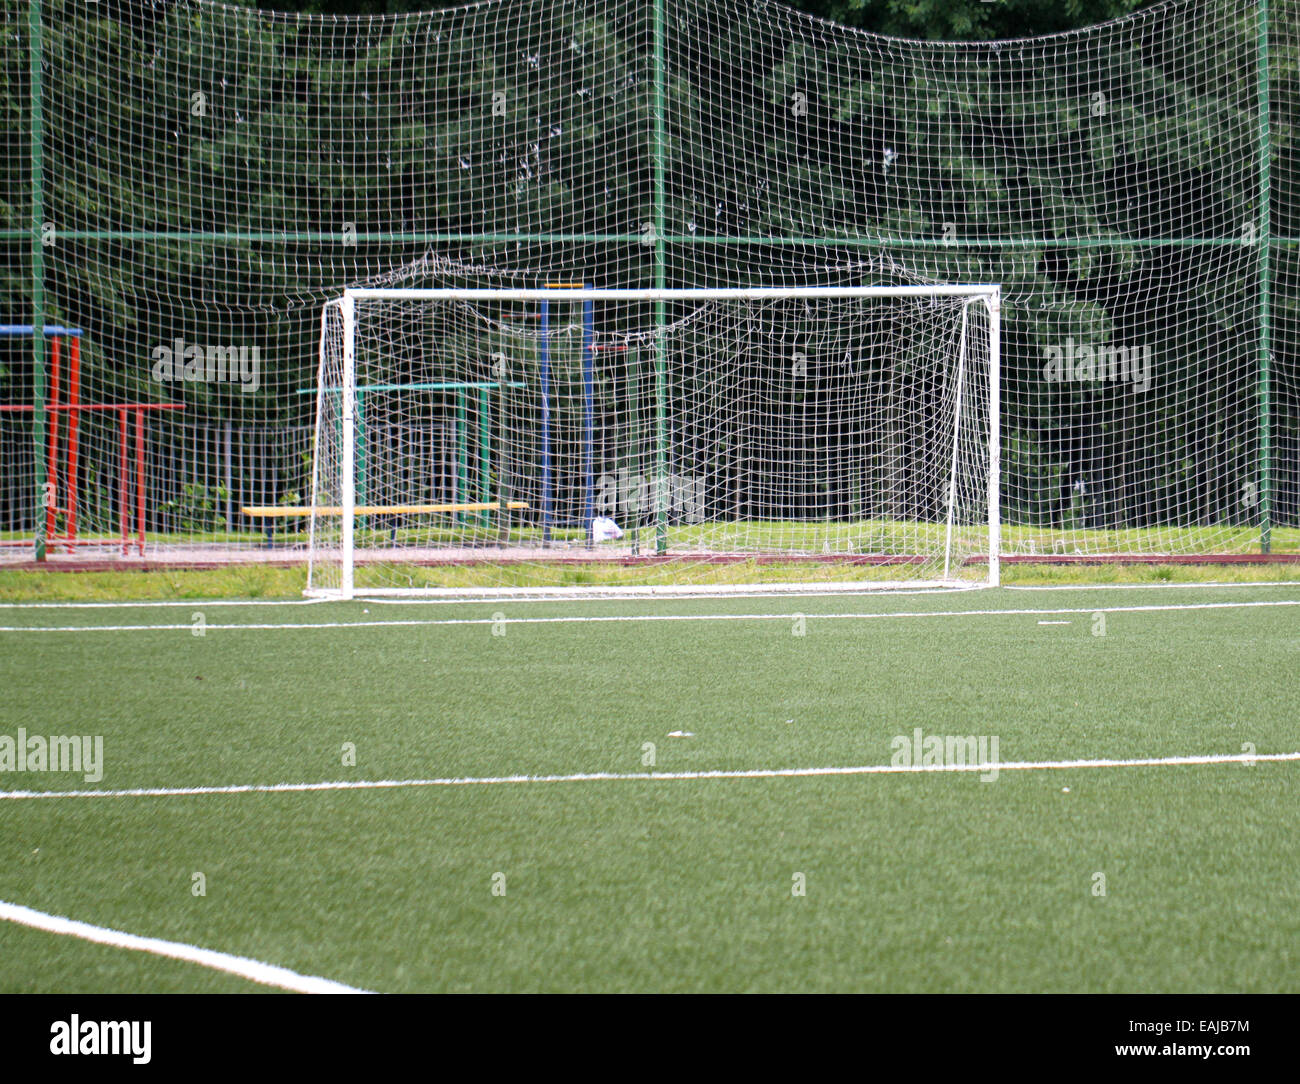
583,440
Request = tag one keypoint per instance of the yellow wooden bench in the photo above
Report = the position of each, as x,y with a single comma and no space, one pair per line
277,511
284,511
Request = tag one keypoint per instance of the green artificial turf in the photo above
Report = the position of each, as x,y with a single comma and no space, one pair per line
937,882
263,581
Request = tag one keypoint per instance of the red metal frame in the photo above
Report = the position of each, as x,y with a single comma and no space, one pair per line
74,423
71,447
52,430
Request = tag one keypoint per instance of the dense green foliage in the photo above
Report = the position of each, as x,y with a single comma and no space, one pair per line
310,126
959,20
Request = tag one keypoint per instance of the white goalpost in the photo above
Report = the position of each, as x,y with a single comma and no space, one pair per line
490,442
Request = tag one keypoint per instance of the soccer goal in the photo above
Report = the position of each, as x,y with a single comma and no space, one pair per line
566,439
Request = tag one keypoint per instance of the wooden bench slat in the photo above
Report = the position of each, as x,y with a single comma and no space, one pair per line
282,511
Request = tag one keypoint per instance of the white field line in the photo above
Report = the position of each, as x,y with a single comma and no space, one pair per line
583,600
363,599
632,594
865,590
1118,586
253,970
654,777
579,619
156,603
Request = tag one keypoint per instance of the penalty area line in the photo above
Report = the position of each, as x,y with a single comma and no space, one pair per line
657,777
242,966
596,619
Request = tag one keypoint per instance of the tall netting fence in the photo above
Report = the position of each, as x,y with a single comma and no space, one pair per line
185,184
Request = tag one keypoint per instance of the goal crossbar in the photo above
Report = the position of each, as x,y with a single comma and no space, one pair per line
721,293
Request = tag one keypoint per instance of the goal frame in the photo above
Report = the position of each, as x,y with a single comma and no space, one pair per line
988,294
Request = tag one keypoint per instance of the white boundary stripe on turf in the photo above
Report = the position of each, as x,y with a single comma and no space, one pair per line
1223,584
654,777
490,597
632,594
151,604
579,619
364,599
253,970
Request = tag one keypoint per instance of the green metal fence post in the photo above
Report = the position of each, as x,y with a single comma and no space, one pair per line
462,456
661,312
360,429
1265,242
634,476
35,49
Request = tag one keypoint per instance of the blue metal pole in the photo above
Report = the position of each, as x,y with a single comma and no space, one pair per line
588,416
547,494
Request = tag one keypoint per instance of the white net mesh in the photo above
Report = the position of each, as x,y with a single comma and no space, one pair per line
210,175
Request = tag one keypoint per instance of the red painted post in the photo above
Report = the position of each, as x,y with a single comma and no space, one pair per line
139,476
51,494
123,495
74,418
